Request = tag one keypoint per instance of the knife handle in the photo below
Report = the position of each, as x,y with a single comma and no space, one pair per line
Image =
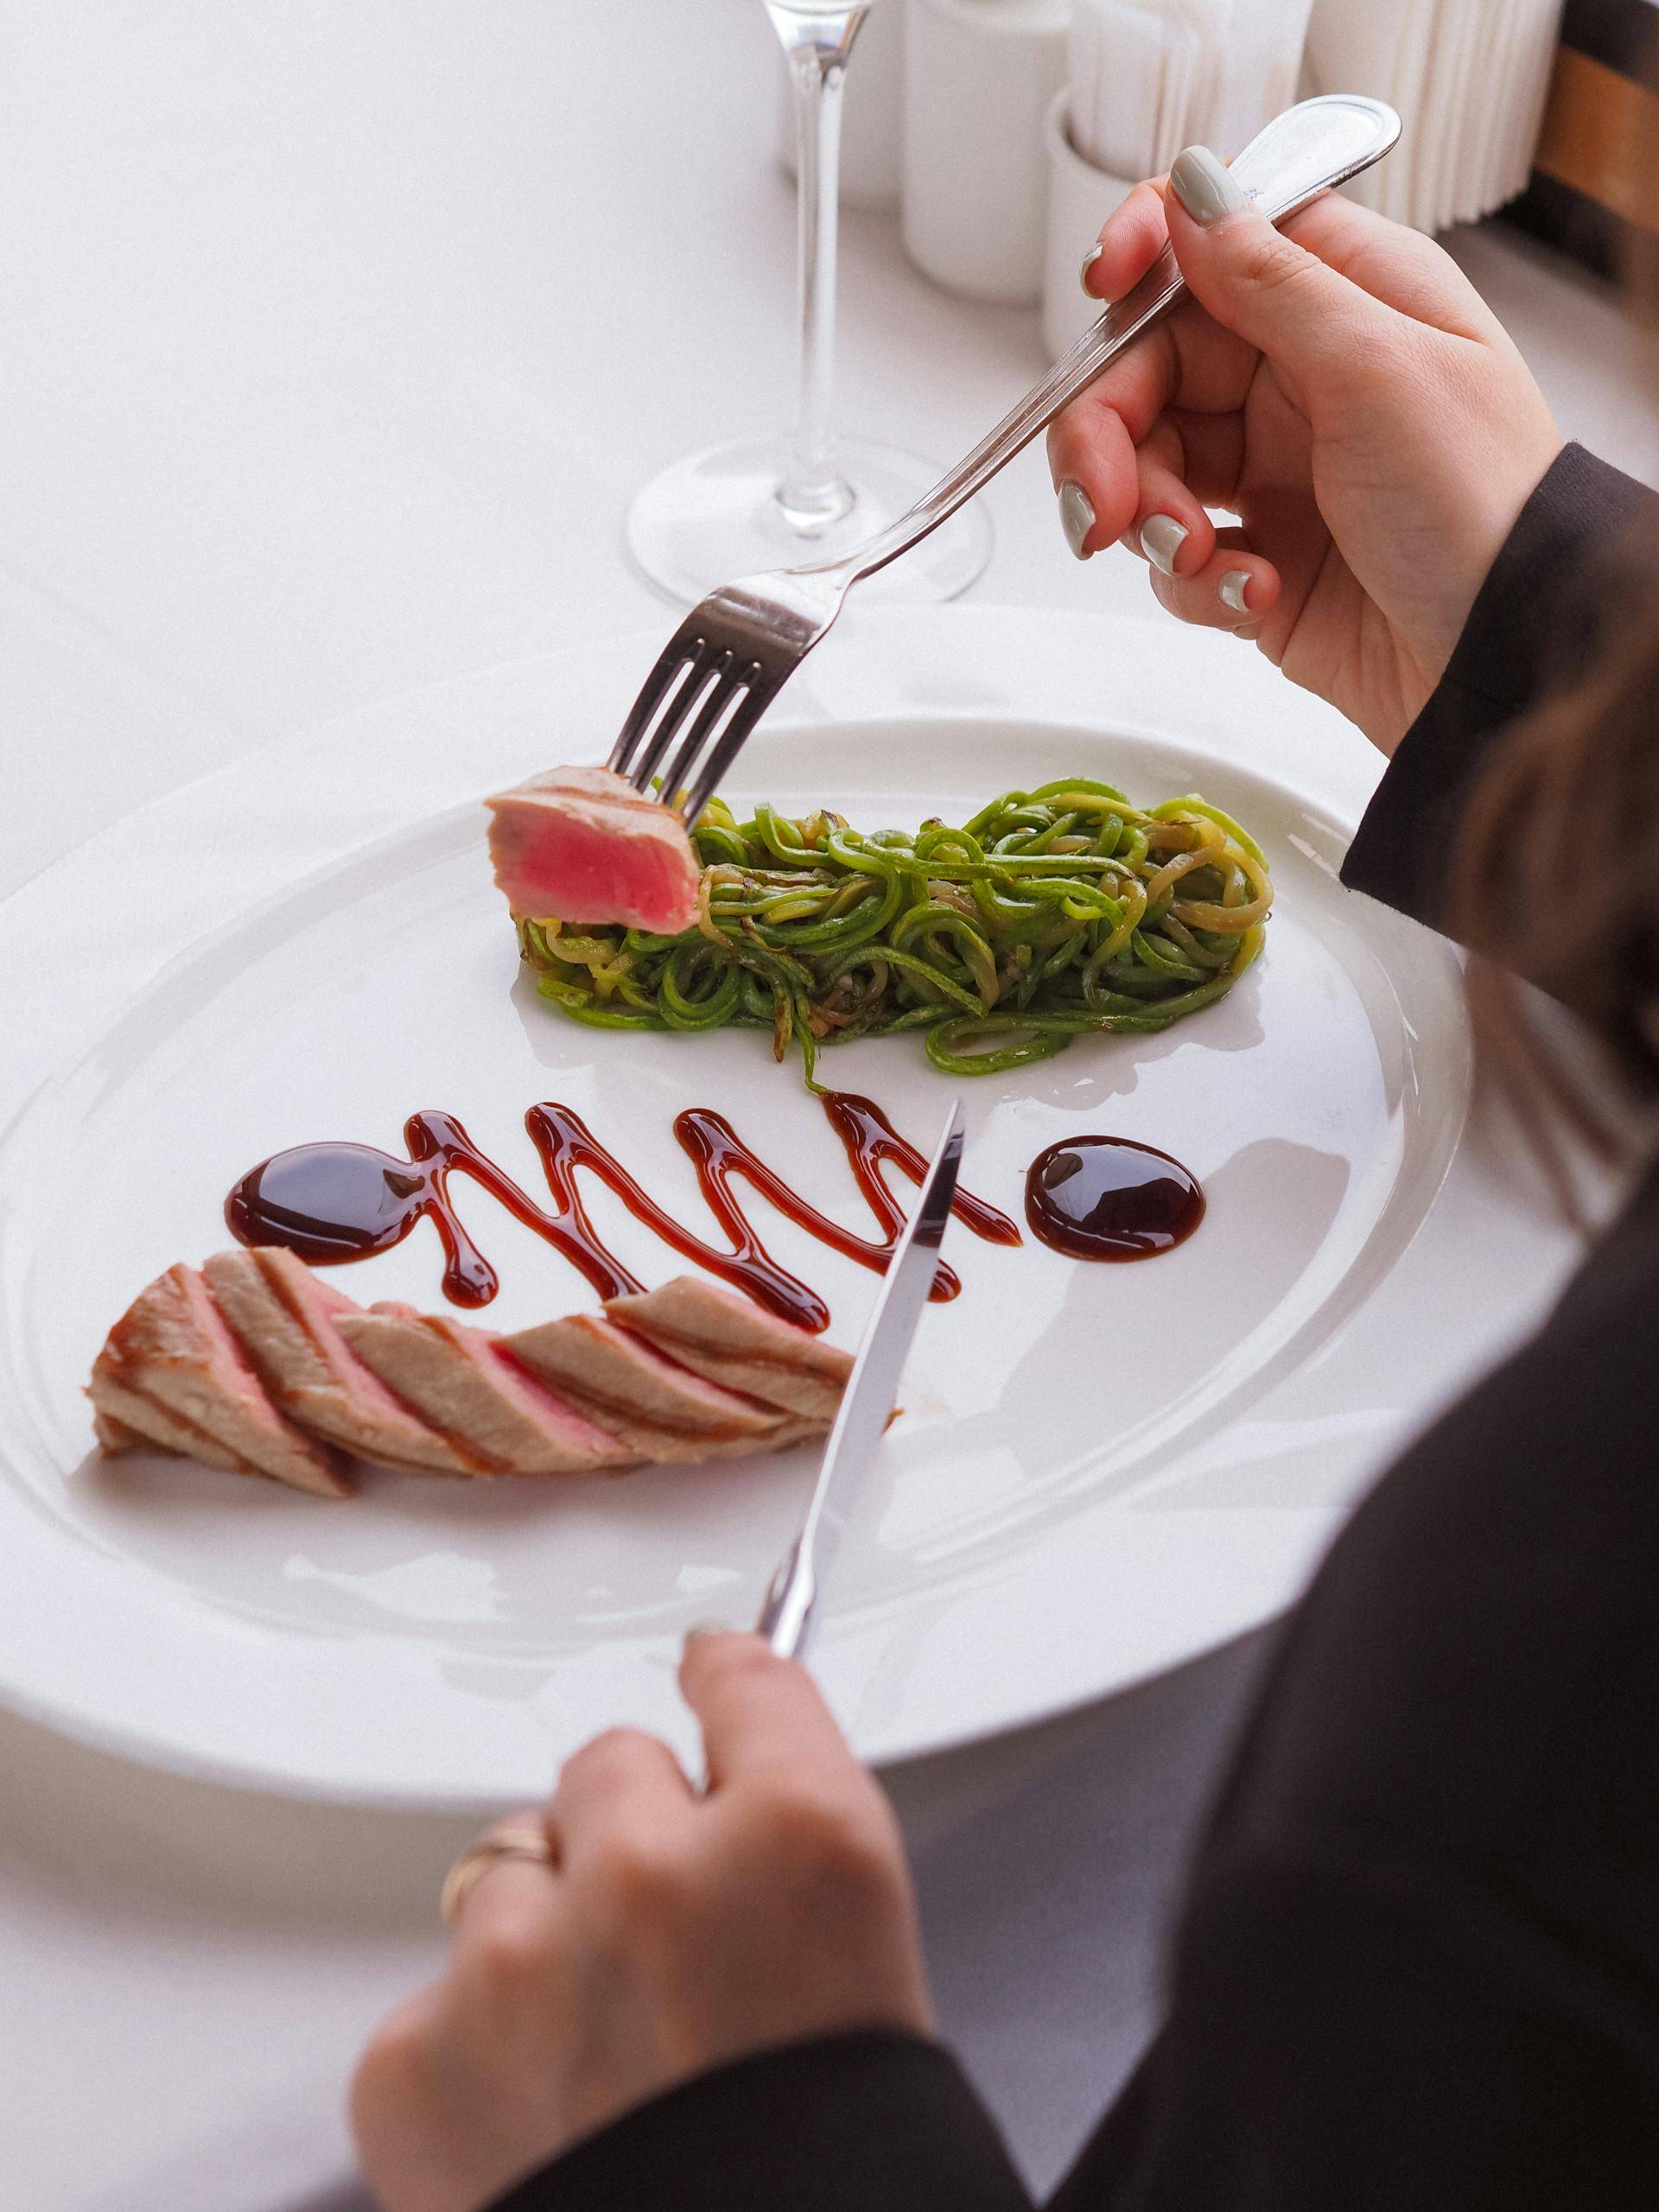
786,1617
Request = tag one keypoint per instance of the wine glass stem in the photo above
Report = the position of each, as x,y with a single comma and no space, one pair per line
813,494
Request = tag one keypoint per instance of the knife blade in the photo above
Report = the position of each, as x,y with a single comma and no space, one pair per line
787,1618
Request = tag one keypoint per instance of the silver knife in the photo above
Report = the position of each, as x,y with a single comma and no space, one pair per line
786,1618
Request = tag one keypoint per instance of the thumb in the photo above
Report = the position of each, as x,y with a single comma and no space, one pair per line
760,1713
1312,323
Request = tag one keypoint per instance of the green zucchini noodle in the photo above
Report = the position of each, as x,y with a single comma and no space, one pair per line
1052,914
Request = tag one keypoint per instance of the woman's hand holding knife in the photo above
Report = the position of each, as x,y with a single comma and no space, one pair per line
642,1928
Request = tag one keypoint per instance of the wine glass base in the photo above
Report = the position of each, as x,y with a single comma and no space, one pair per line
716,516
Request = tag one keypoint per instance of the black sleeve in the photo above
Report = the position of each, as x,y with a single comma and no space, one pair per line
866,2122
1418,1965
1371,2037
1534,626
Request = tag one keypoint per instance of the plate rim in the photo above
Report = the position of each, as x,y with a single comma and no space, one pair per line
891,634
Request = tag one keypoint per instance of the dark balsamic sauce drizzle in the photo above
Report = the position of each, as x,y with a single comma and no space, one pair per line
1108,1199
331,1203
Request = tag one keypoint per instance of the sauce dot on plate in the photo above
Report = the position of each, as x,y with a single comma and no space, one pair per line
1109,1198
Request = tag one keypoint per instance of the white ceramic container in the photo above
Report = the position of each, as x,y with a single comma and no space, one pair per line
979,78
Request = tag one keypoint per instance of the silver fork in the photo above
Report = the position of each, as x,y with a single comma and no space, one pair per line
737,648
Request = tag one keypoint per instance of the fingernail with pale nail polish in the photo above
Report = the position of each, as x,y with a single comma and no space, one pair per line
706,1628
1204,185
1076,516
1162,539
1232,588
1089,261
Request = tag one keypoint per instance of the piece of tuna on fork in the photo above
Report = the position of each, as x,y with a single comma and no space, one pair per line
581,844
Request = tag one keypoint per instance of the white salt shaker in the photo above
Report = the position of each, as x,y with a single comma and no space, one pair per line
1080,197
979,78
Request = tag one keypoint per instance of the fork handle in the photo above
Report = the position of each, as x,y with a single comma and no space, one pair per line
1310,146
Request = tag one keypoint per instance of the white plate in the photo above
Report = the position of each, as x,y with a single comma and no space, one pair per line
1102,1471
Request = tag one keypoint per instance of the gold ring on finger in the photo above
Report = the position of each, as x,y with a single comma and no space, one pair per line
526,1843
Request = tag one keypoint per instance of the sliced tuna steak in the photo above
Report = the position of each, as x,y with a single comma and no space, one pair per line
173,1349
124,1421
275,1372
581,844
651,1402
286,1320
726,1338
479,1399
113,1436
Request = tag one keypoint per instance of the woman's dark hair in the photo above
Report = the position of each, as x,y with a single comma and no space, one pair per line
1556,878
1555,868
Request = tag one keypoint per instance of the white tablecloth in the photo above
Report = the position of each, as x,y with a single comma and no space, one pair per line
333,339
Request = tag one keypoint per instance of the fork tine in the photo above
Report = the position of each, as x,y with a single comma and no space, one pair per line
684,649
732,679
729,743
700,675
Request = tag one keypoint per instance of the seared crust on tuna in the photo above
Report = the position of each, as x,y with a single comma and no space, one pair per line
124,1421
172,1356
653,1403
288,1323
469,1393
724,1338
